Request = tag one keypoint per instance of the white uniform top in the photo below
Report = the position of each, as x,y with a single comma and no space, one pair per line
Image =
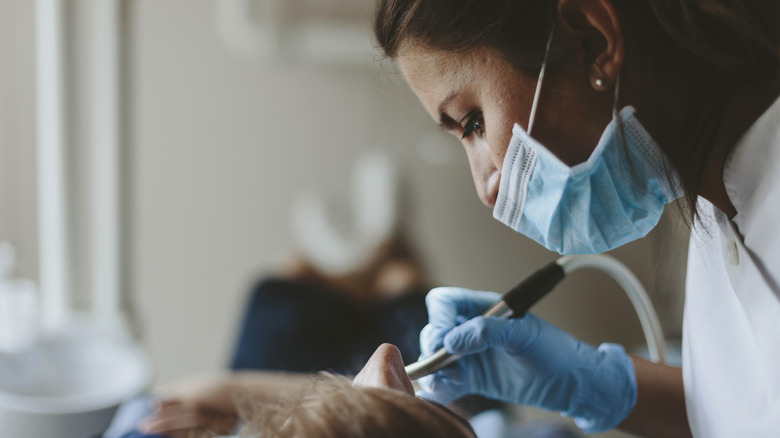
731,328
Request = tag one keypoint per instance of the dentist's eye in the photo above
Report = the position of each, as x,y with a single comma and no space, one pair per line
473,124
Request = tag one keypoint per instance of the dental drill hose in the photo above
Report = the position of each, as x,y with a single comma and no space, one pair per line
516,302
513,304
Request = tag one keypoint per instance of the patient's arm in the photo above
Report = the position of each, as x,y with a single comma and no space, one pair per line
208,402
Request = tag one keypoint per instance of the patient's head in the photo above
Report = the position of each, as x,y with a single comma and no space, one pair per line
379,403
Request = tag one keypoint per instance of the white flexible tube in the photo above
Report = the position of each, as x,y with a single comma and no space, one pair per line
651,326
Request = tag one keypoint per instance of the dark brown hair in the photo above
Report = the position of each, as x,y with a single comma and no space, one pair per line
517,29
717,46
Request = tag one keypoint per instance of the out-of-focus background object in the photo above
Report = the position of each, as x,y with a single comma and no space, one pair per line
68,384
375,207
64,373
19,319
151,153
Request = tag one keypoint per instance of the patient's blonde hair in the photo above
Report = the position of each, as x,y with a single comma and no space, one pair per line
332,408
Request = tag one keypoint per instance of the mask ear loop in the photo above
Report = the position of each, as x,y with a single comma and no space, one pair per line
615,101
535,103
615,113
621,133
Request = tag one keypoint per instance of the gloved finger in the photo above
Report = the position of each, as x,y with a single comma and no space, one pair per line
480,333
439,389
434,397
446,385
431,339
450,306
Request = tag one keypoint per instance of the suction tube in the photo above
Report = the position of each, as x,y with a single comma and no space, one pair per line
643,306
516,302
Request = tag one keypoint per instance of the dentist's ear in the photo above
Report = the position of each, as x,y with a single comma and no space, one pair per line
594,26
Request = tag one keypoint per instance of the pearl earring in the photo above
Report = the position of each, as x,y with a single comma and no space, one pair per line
597,78
598,82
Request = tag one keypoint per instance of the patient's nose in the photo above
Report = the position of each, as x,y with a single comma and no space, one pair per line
385,369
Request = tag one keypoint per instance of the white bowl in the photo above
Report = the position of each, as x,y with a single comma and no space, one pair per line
69,384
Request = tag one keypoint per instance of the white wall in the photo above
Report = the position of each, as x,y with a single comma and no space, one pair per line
17,133
219,145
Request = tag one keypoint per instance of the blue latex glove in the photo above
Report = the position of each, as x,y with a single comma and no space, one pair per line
525,361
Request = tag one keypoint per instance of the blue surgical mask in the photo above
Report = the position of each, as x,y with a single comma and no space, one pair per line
615,197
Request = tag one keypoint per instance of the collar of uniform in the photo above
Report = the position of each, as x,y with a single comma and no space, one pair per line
753,160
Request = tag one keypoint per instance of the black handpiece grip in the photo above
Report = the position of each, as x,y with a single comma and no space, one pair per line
533,288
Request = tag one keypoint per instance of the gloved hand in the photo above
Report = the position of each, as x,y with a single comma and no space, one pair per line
525,361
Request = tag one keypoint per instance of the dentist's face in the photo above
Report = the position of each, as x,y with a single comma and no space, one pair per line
478,97
467,94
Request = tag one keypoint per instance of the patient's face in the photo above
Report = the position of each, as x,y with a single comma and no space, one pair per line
385,369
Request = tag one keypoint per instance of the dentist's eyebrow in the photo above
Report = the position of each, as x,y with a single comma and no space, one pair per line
445,120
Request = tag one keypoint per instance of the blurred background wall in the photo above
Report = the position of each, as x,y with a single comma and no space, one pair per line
219,143
18,210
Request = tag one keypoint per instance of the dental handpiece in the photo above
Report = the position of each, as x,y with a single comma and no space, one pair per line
513,304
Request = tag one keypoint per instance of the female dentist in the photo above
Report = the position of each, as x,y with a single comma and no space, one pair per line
581,119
